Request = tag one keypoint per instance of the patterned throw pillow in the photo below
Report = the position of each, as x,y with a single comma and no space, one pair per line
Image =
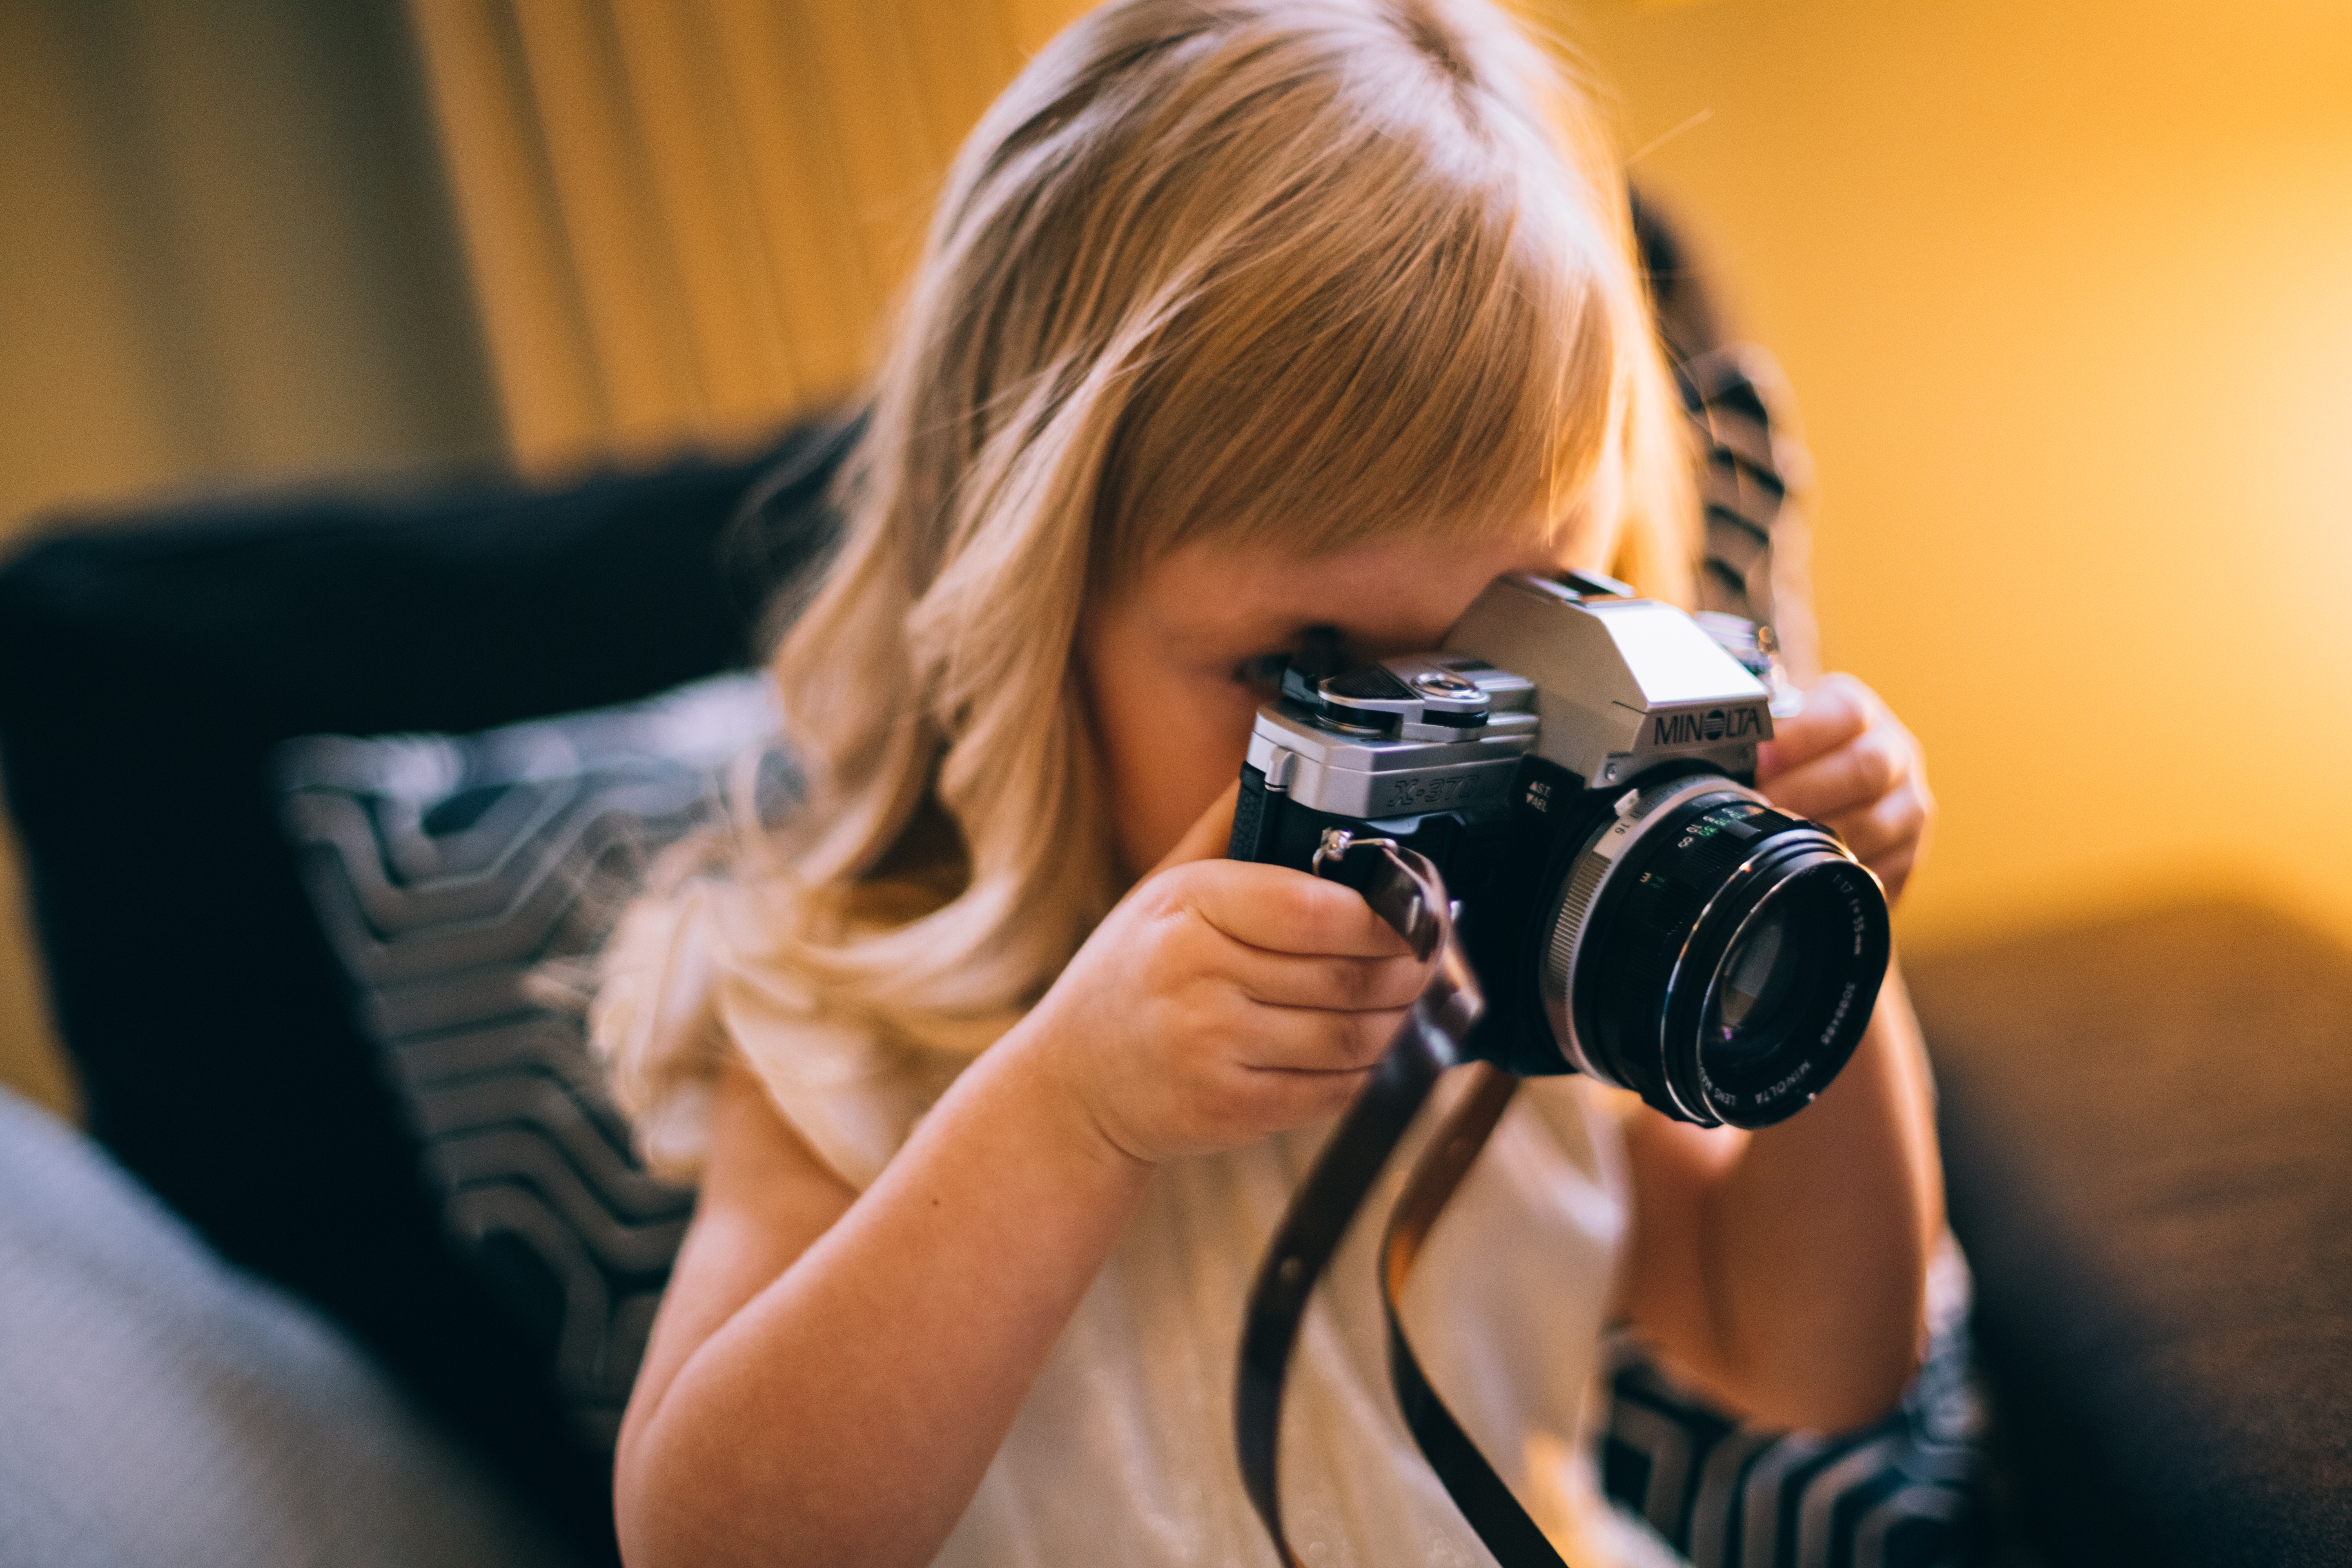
455,876
1896,1495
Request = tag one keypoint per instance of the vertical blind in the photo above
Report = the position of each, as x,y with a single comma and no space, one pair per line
685,217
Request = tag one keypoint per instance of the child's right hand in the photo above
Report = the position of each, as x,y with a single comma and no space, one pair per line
1222,1001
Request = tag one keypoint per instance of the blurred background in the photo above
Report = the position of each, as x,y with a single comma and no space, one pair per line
2065,289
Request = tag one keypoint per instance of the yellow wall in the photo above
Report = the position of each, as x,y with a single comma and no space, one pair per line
2065,290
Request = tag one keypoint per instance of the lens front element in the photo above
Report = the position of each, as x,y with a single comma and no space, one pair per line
1714,954
1752,994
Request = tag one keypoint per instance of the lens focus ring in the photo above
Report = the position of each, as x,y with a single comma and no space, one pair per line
1654,976
1572,918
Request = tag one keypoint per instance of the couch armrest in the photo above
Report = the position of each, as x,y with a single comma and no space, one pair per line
2147,1129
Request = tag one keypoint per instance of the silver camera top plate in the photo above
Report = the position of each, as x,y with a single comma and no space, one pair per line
1606,686
1621,684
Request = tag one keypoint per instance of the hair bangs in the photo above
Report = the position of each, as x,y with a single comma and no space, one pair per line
1413,337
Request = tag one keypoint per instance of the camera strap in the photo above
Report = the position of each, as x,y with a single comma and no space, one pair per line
1406,890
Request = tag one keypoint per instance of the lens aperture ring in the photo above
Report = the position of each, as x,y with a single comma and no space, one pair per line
1637,974
1637,810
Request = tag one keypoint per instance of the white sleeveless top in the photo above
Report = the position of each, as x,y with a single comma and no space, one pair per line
1124,1454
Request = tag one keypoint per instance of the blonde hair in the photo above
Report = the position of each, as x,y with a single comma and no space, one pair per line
1301,271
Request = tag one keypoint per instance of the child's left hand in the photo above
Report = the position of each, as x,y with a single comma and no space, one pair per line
1847,761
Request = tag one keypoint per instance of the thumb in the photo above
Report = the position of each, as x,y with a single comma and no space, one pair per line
1210,835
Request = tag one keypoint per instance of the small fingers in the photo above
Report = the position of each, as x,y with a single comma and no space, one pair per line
1318,1043
1278,909
1895,818
1287,1067
1332,984
1893,869
1837,708
1867,768
1848,761
1889,835
1240,1102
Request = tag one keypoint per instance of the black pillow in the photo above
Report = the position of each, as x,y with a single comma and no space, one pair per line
147,671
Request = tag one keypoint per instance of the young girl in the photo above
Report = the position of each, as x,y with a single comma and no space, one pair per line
1239,318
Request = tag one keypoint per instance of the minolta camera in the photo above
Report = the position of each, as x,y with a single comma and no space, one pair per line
1577,764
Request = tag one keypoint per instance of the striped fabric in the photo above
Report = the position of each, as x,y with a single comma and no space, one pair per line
1895,1495
461,880
1750,465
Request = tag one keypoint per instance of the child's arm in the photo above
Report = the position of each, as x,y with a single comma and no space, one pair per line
1786,1269
831,1373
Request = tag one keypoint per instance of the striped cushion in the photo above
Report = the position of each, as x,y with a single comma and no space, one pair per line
1896,1495
462,882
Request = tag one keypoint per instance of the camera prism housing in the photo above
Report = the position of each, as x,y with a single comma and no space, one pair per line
1580,766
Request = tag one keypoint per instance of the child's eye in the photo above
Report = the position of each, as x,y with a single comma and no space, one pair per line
1263,669
1315,653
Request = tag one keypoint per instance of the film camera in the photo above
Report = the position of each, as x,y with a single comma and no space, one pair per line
1578,765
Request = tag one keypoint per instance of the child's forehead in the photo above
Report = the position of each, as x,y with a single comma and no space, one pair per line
1390,594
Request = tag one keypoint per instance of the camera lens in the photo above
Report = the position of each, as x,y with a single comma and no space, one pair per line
1750,1003
1713,953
